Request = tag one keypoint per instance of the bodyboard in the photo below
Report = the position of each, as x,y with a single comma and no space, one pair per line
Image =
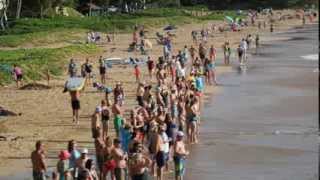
75,84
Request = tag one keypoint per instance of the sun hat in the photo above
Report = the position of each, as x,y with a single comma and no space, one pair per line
64,155
84,151
180,134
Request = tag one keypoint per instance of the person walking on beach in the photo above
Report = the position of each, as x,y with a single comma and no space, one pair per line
87,71
17,75
179,156
39,166
72,68
75,104
102,70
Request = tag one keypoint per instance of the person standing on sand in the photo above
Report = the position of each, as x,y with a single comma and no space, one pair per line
192,52
75,104
118,94
105,117
72,68
137,72
63,165
74,155
18,75
151,66
121,160
96,123
118,119
244,48
139,93
99,146
139,163
88,71
102,70
109,162
39,166
179,156
163,149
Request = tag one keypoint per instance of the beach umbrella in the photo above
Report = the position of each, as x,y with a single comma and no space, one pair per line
229,19
169,28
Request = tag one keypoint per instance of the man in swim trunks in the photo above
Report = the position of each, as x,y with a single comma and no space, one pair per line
39,166
121,160
75,103
118,118
105,117
96,123
180,153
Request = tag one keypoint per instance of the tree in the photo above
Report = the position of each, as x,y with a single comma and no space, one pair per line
4,4
19,5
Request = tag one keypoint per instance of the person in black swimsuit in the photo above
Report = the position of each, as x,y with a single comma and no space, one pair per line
105,117
102,70
88,70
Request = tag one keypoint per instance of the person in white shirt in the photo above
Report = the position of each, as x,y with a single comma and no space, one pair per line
181,70
244,47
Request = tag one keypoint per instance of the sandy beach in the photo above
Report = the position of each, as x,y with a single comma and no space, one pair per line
46,114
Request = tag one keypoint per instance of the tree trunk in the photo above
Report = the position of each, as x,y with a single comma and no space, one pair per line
19,4
90,8
3,15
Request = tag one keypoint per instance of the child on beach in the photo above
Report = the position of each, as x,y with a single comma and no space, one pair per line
18,75
137,72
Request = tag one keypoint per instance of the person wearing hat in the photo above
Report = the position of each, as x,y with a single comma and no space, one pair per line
63,165
180,153
95,122
81,162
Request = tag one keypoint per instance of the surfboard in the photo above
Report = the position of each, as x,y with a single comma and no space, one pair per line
75,84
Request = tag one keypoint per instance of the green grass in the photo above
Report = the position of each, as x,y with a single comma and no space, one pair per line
58,35
36,62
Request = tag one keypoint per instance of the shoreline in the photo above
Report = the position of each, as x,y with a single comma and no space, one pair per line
21,160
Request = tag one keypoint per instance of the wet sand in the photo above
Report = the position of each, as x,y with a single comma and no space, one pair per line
264,123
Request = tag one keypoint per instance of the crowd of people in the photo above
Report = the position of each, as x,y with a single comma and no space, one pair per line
150,138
